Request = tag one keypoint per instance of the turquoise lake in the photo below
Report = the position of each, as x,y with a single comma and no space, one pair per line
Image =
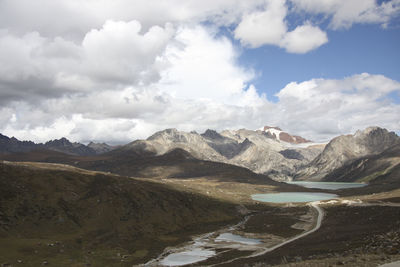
285,197
327,185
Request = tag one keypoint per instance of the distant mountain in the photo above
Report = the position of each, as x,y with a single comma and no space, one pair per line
254,150
345,149
262,152
278,134
63,145
13,145
101,148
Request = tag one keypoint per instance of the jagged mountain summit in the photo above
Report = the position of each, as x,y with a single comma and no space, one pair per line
345,149
63,145
258,151
13,145
263,152
255,150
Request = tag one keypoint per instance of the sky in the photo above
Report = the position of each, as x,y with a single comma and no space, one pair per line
116,71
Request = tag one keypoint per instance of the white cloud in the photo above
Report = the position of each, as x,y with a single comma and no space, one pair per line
74,18
204,66
269,27
318,109
343,14
304,39
201,87
119,52
332,107
263,27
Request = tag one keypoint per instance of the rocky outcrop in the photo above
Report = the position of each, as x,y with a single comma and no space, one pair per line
345,149
227,147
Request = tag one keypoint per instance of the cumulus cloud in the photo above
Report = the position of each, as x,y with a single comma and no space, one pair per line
343,14
318,109
122,69
116,55
263,27
204,66
332,107
269,27
304,39
25,15
119,52
202,86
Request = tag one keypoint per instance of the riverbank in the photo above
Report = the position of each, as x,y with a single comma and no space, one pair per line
261,231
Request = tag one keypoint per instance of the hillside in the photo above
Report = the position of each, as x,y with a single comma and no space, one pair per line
381,172
177,163
346,149
52,212
369,168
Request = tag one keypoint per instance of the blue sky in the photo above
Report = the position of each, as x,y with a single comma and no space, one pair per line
121,70
362,48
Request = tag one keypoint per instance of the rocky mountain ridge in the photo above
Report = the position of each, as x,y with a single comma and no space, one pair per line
345,149
12,145
259,151
255,150
63,145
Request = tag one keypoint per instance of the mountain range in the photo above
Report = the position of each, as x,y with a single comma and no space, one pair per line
13,145
268,151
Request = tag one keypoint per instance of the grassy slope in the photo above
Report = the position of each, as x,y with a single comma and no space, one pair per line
94,216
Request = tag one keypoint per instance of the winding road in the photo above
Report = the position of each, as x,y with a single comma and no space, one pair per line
261,251
315,228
